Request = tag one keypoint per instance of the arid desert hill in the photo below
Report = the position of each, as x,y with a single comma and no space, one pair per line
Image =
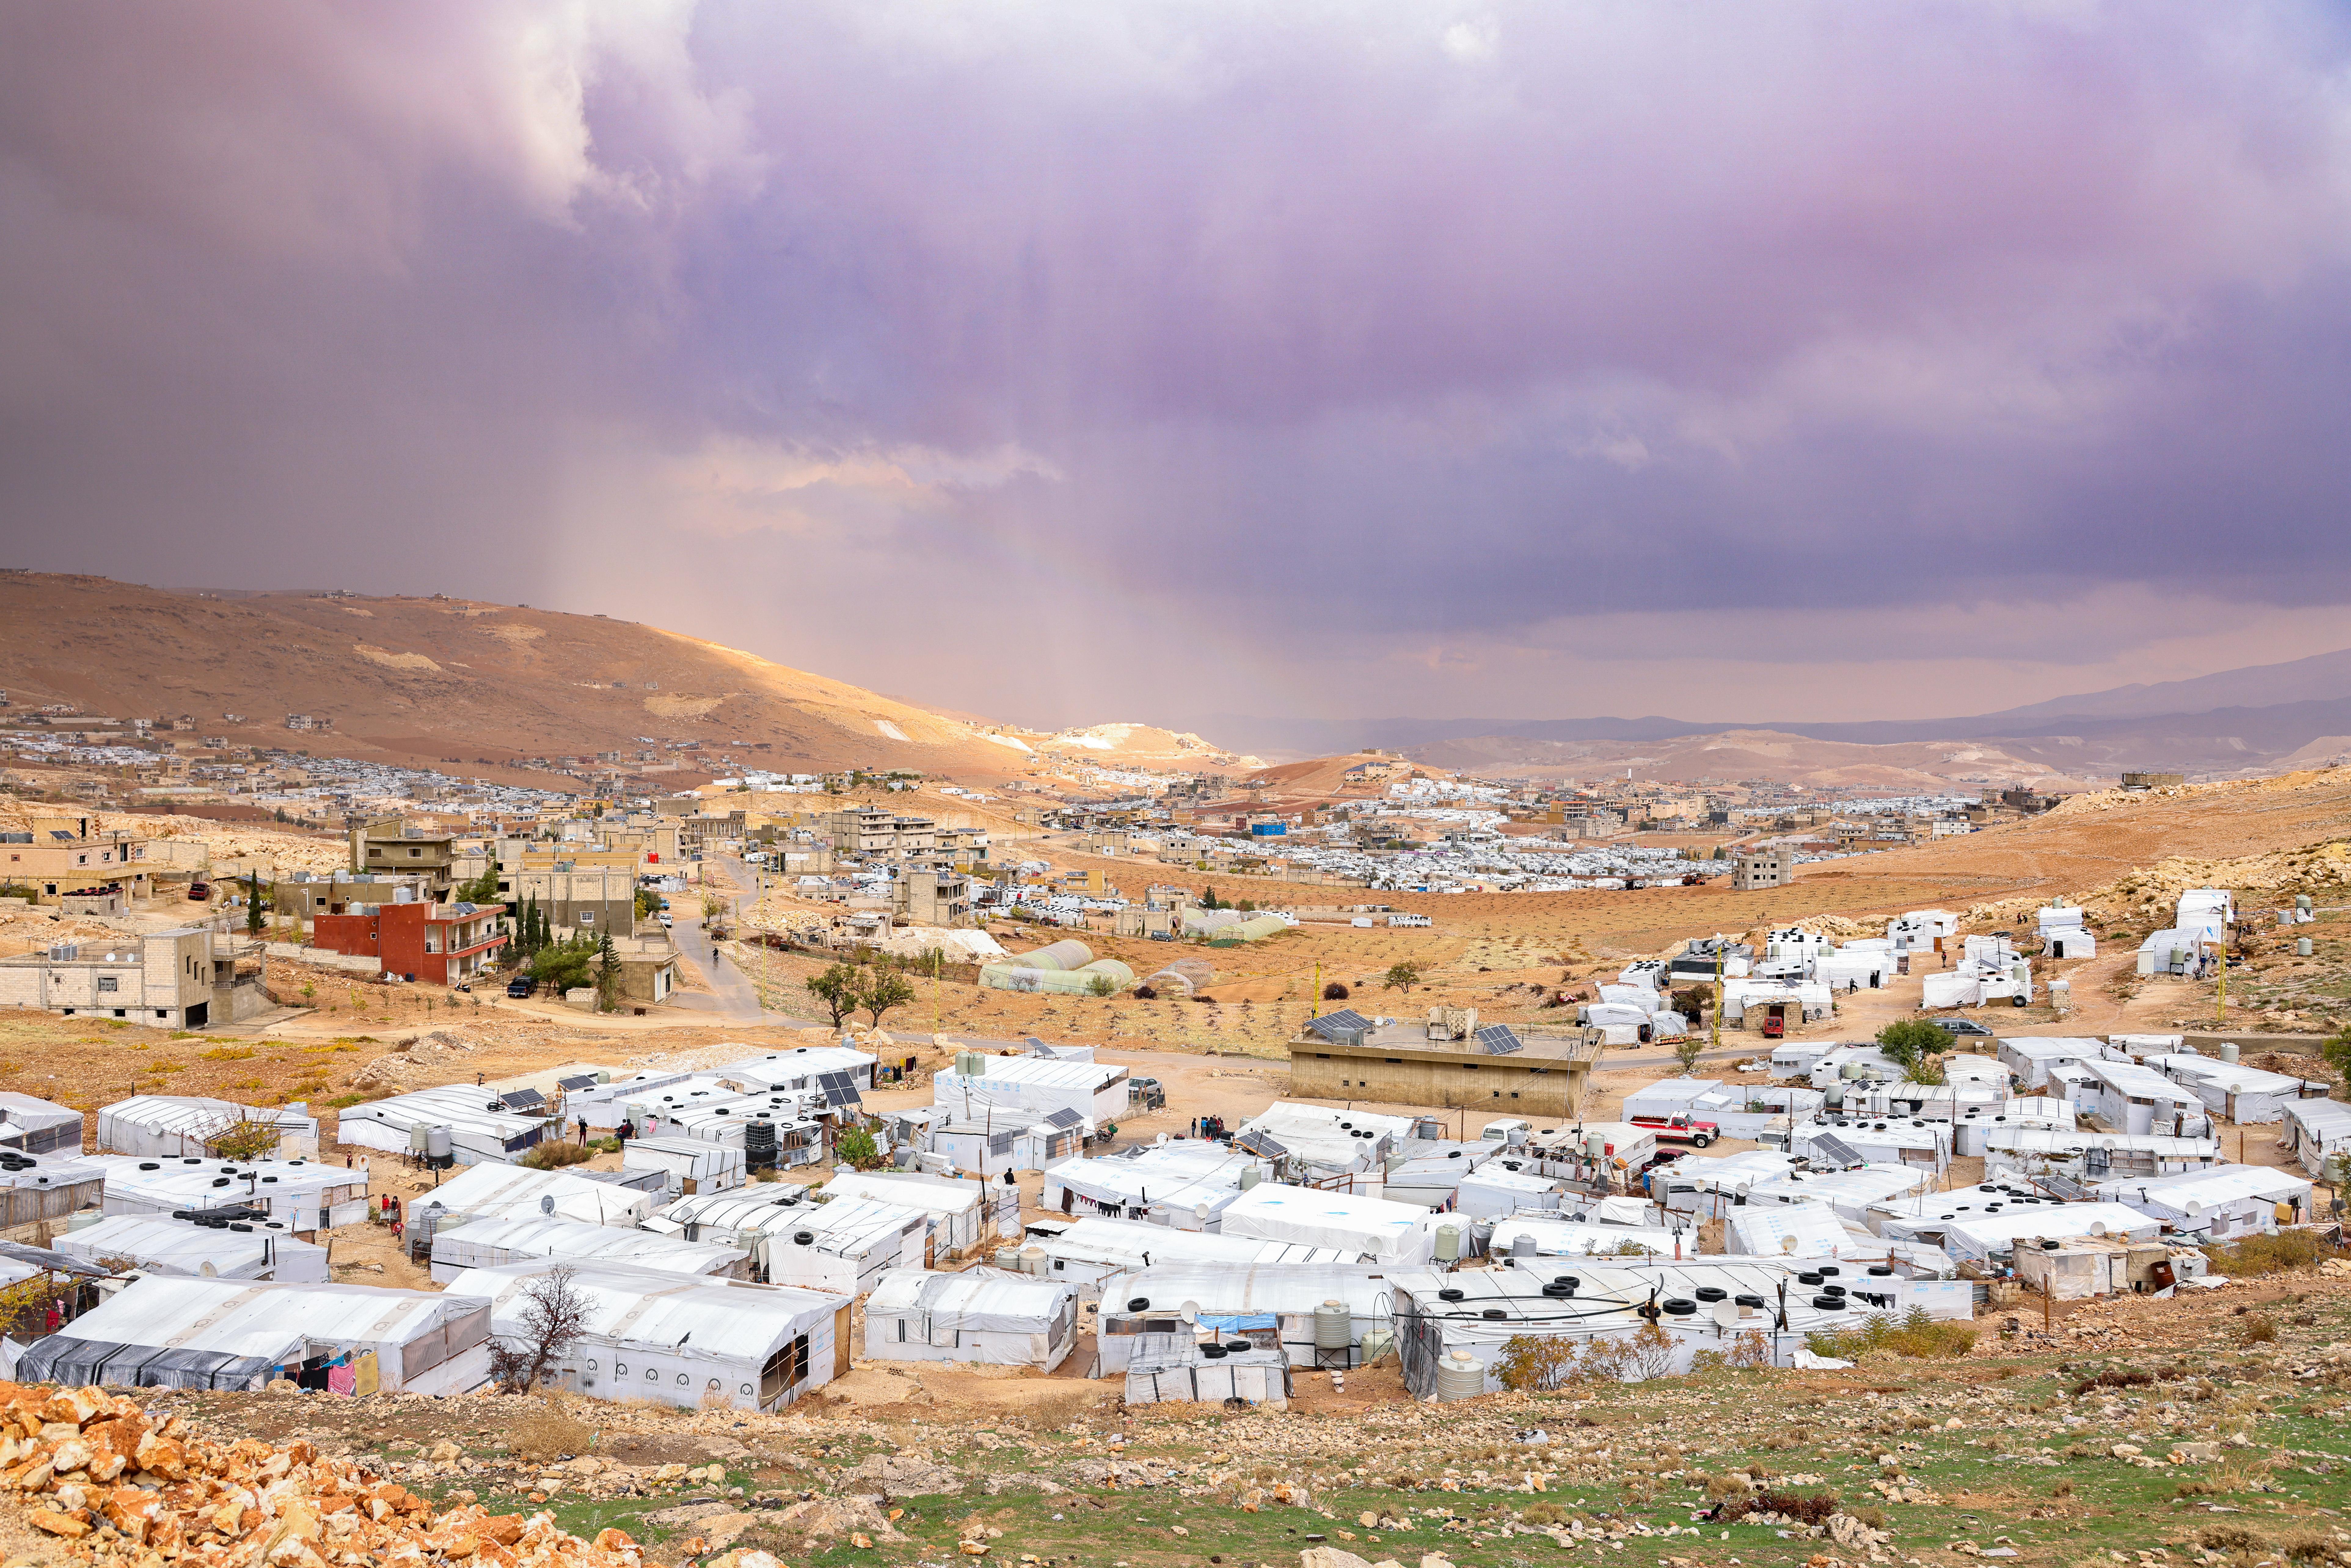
420,680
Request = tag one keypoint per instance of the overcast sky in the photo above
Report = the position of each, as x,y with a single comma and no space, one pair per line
1092,360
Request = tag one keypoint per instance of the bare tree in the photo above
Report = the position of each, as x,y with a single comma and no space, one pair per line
555,1316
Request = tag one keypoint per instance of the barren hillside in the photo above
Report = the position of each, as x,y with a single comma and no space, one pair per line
422,680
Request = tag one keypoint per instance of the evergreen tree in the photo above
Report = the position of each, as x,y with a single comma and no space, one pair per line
253,904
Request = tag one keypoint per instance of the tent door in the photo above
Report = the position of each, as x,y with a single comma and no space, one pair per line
840,1343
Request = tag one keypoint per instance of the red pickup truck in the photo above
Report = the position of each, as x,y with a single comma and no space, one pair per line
1679,1130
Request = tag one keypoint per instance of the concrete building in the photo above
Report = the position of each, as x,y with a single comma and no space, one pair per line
187,978
305,897
438,944
61,857
1345,1056
576,889
648,969
1762,868
930,897
387,845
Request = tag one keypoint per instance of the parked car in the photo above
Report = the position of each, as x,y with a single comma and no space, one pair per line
1679,1129
200,890
521,985
1963,1027
665,918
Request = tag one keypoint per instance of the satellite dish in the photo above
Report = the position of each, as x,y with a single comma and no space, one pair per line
1189,1312
2195,1206
2098,1228
1726,1314
547,1203
207,1270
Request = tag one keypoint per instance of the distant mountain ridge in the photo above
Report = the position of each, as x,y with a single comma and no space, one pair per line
2227,721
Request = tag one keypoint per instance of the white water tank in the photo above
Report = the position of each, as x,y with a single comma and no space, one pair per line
1460,1376
1334,1325
1448,1244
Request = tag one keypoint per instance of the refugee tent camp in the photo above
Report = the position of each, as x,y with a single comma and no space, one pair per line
986,1315
477,1129
173,1127
1369,1227
799,1068
1524,1236
2030,1151
172,1332
304,1195
487,1243
1170,1183
2232,1092
960,1211
1499,1188
2314,1131
155,1244
844,1247
687,1164
34,1127
507,1192
1085,1252
1303,1310
1095,1091
1792,1230
2221,1201
684,1341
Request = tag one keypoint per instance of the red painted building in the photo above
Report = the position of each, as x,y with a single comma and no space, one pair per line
438,944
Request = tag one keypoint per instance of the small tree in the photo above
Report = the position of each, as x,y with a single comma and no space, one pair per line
1334,992
2336,1052
1927,1069
882,990
253,906
1401,978
1687,1051
1906,1040
838,988
483,888
554,1316
607,972
1101,985
856,1149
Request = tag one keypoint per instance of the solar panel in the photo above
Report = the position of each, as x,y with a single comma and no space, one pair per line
838,1088
1829,1147
1038,1047
583,1081
1345,1022
1001,1142
1498,1041
1064,1117
2064,1186
523,1100
1262,1144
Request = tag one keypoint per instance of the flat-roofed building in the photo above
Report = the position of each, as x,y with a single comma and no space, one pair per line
1345,1056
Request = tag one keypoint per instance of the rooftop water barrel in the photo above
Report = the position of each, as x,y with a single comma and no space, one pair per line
1448,1244
1032,1259
2228,1051
1009,1258
1250,1177
436,1144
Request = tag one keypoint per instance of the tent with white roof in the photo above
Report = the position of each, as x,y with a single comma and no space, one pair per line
1370,1226
691,1341
985,1316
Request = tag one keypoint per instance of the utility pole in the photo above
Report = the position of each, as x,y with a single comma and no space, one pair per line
1714,1033
2221,1012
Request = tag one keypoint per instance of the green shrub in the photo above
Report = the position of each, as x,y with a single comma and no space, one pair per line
2266,1254
550,1155
1915,1335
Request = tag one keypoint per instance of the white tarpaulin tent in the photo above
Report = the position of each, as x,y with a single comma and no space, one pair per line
304,1195
2232,1091
173,1127
157,1245
1852,1193
34,1127
846,1246
1273,1305
509,1192
1087,1251
993,1318
1168,1183
1494,1189
488,1243
1369,1227
2035,1151
1549,1237
688,1342
1792,1230
2225,1200
688,1165
477,1134
1980,1233
165,1332
1321,1136
1949,990
2314,1131
959,1210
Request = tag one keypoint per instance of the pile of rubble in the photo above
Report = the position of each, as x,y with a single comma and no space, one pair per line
95,1471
